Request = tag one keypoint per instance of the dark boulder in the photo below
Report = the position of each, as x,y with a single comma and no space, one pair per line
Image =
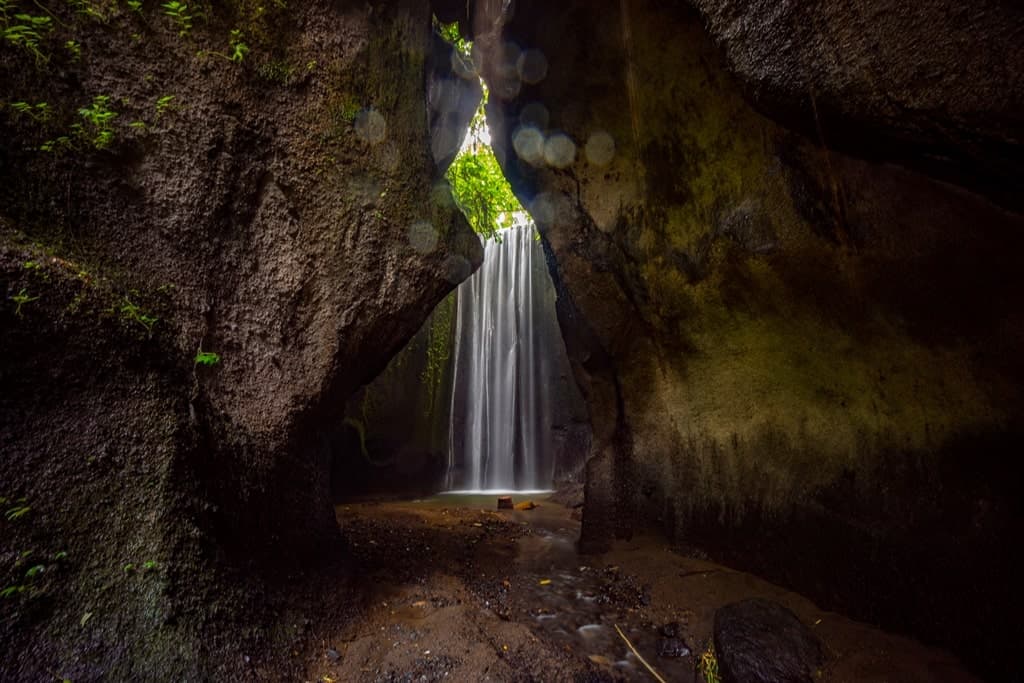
760,641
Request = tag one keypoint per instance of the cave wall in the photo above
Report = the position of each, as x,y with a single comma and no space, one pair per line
394,437
797,355
285,212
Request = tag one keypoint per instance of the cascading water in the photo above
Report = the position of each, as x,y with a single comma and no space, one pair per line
500,426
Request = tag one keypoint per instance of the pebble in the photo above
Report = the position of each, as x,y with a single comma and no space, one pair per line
672,647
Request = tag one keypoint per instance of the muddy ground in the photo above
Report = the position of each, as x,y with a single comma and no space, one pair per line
450,590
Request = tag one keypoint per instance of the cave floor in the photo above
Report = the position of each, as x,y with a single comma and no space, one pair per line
453,590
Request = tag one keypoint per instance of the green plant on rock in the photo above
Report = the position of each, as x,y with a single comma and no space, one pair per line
276,71
74,48
163,104
133,313
439,349
453,36
19,510
206,358
39,112
11,591
88,9
135,6
57,144
25,31
20,299
100,118
708,666
238,47
179,12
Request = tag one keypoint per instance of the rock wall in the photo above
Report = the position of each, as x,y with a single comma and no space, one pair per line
394,437
797,355
283,211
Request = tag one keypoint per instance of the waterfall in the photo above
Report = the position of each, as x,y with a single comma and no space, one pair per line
499,432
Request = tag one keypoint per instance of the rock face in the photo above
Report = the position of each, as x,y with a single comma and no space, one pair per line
262,210
794,357
395,435
760,641
937,83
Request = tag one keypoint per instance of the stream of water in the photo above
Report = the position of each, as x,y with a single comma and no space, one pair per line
500,400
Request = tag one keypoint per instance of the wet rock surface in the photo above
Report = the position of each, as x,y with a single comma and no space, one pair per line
760,641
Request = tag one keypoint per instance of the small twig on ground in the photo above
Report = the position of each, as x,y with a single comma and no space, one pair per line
639,656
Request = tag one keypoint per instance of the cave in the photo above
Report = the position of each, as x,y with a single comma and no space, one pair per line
740,400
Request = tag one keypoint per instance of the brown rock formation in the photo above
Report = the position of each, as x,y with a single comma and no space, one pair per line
797,357
261,210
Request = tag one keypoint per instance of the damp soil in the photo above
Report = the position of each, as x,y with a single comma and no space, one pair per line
453,590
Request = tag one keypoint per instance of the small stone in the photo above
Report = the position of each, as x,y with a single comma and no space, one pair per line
672,647
333,655
670,630
505,502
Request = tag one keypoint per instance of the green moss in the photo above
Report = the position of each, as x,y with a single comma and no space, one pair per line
439,352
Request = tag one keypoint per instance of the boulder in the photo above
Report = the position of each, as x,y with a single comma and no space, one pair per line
760,641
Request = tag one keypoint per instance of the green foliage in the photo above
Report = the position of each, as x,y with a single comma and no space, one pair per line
25,31
149,565
133,313
74,48
163,104
100,118
128,568
276,71
439,349
20,299
238,48
11,591
18,511
207,358
482,192
708,666
452,35
88,9
57,144
35,571
39,112
478,184
135,6
179,12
